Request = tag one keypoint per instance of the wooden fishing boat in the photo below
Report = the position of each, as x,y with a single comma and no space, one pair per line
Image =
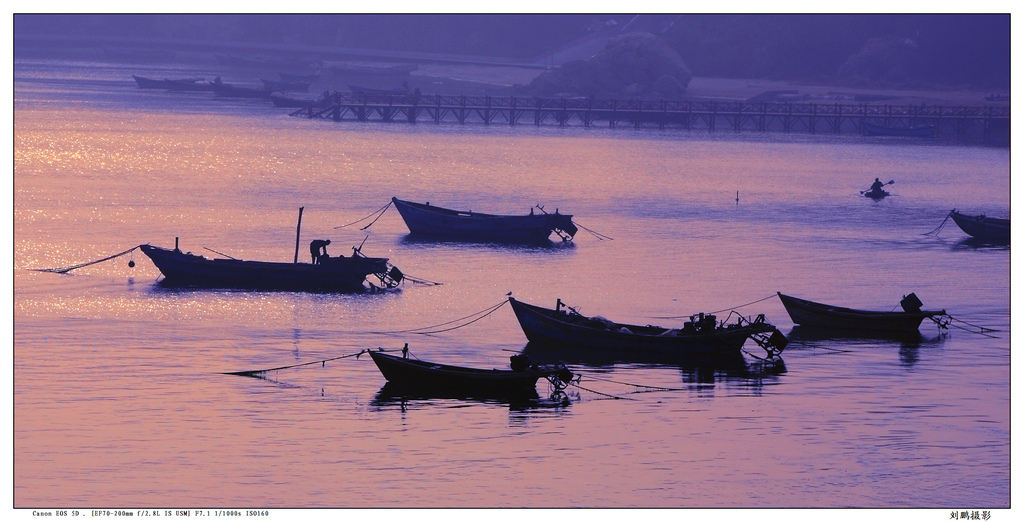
701,335
149,83
333,274
286,101
417,375
174,85
189,85
283,86
920,131
818,315
982,227
429,220
226,90
397,91
359,69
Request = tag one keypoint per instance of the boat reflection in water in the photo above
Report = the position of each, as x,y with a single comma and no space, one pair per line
909,342
695,368
391,395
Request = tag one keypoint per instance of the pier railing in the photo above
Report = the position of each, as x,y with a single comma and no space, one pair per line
964,123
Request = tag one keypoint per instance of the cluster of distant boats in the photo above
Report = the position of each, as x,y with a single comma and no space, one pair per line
281,92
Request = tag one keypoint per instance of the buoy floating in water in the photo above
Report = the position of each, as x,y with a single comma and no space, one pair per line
131,263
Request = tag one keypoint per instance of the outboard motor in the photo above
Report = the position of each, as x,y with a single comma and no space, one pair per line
519,362
911,304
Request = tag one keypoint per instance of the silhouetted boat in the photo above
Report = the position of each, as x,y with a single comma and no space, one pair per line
981,227
919,131
429,220
818,315
190,84
876,194
354,69
413,374
287,101
178,84
227,90
701,335
149,83
283,86
334,274
397,91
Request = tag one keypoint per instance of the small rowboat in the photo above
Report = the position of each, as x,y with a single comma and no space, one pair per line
417,375
981,227
920,131
876,194
818,315
439,222
702,335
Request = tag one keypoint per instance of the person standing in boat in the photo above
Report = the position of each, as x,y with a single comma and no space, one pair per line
318,250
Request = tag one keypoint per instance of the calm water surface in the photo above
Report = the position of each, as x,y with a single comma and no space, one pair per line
119,399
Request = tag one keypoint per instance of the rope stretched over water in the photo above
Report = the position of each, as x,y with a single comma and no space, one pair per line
938,228
67,269
379,212
424,330
600,393
598,235
322,362
979,330
647,386
731,308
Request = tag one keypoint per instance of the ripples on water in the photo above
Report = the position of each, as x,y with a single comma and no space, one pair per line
118,393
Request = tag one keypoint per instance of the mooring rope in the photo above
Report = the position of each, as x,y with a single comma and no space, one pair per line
980,330
67,269
420,281
660,388
423,330
379,212
731,308
322,362
598,235
600,393
936,231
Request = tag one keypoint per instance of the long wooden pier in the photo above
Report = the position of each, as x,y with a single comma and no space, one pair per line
971,124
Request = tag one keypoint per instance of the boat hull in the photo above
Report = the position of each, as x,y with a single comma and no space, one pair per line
984,228
438,222
544,326
818,315
337,274
423,376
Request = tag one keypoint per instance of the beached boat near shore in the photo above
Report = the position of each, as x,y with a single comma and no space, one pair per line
433,221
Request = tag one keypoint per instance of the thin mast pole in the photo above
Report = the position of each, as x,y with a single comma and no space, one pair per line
298,230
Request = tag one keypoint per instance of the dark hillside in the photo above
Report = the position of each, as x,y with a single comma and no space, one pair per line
863,50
